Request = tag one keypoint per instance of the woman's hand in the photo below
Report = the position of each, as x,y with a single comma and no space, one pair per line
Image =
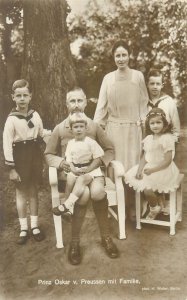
139,175
14,176
148,171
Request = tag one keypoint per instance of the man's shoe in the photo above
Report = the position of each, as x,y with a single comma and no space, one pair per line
110,247
74,254
23,239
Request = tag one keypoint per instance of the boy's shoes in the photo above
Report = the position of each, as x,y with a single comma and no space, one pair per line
23,239
66,213
56,211
74,253
154,211
110,248
37,236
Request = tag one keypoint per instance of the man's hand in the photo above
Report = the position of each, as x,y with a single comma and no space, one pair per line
14,176
65,166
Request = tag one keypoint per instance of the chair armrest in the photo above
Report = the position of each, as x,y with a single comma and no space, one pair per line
118,168
53,178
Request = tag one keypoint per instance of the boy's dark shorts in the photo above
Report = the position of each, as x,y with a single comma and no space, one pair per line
28,161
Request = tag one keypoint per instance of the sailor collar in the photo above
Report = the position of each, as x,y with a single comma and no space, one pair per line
28,117
153,105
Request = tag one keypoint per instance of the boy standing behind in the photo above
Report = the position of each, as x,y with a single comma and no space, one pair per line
163,101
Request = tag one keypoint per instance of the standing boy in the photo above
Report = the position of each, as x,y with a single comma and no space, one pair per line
23,156
163,101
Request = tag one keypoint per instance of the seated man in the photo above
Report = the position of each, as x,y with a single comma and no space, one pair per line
76,102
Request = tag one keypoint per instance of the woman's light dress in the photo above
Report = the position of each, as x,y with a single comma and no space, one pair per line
121,105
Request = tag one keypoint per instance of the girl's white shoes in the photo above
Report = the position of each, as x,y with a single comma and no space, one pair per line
154,211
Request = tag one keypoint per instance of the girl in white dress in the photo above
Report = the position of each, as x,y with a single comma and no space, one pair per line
156,172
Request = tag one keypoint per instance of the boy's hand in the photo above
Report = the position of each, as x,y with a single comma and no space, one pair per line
79,171
86,169
148,171
14,176
75,171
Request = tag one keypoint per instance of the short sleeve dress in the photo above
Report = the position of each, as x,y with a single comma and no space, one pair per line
162,181
122,104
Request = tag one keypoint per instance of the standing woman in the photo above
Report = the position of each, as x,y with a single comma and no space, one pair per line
122,106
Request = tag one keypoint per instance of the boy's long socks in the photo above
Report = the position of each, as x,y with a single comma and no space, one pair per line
23,226
34,224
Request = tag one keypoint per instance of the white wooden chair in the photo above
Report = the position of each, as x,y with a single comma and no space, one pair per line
115,194
175,199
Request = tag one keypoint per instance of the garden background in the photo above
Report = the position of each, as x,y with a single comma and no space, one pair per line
56,44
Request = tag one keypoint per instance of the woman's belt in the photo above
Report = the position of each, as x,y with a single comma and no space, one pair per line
124,121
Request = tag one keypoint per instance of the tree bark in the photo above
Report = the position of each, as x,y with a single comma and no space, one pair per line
48,63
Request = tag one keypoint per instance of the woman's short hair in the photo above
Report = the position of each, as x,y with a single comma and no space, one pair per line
20,83
77,117
120,43
155,112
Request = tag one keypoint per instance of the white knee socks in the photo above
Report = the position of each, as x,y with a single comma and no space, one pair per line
69,203
34,223
71,200
23,225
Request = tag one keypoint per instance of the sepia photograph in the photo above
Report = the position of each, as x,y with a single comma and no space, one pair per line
93,149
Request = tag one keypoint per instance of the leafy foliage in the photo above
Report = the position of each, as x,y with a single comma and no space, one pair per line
154,29
11,28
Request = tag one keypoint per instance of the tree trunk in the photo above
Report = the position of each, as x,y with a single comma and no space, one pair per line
48,63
